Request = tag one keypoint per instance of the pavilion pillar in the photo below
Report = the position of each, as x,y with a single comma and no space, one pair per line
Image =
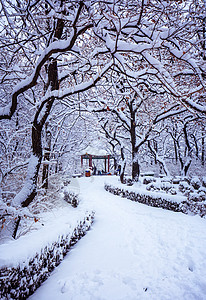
108,163
90,161
81,161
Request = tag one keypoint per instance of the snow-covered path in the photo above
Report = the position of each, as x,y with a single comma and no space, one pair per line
132,252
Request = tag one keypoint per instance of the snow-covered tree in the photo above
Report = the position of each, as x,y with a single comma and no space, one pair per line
56,51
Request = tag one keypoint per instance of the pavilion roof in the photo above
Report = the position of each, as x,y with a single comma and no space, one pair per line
94,152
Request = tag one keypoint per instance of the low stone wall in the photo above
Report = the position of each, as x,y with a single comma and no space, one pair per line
20,282
148,199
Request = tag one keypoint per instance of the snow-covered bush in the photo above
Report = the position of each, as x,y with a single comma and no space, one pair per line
153,200
173,191
71,198
193,189
129,182
193,197
18,282
202,189
148,180
195,202
153,187
191,206
204,181
66,181
197,196
195,182
8,214
185,188
164,186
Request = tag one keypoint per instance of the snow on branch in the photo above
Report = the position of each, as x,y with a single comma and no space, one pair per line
180,54
55,47
195,106
78,88
169,113
29,183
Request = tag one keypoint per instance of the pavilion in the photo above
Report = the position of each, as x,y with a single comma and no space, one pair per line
92,154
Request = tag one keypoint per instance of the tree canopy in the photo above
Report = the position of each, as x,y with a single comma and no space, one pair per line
135,63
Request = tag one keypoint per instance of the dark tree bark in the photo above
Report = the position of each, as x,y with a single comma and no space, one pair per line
37,127
176,152
47,150
135,149
203,148
123,165
186,165
203,151
37,149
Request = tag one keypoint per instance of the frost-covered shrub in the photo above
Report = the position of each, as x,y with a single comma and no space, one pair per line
129,182
202,189
163,186
173,191
198,196
166,186
201,195
194,204
151,200
71,198
148,180
195,182
186,179
204,181
153,187
193,197
193,207
66,182
194,191
185,187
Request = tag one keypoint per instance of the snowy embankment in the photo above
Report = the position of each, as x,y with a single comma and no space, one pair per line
132,252
25,263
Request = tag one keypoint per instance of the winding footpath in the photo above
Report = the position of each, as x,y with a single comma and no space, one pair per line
132,252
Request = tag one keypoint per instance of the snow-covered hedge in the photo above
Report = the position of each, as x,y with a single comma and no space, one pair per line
18,282
71,198
148,199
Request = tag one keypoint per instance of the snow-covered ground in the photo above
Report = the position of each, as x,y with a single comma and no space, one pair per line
132,252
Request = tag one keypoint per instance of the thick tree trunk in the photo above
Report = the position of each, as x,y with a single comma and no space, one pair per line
36,157
123,165
186,167
188,153
135,163
47,150
155,149
122,172
187,142
37,127
135,166
176,152
45,171
203,151
28,192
